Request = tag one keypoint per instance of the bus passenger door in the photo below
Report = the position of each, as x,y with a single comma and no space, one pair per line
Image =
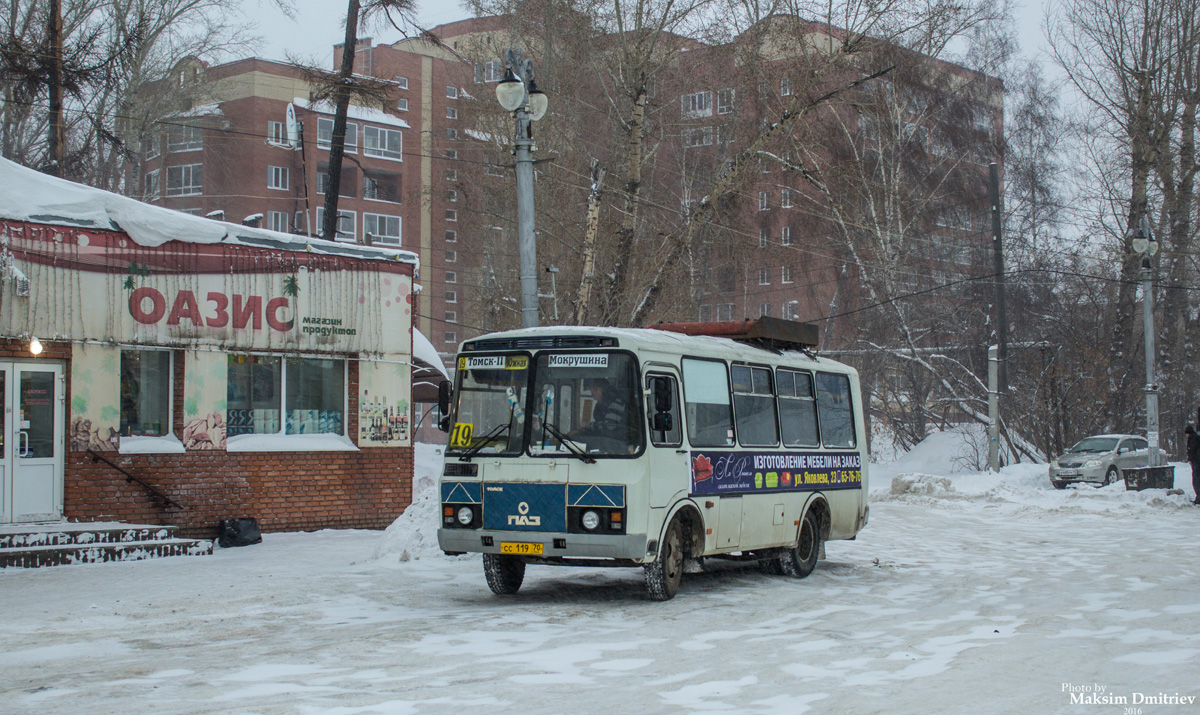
666,458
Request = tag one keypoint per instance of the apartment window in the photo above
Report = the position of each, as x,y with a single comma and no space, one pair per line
325,135
785,87
153,189
785,274
451,174
383,143
451,236
451,133
764,309
705,313
725,134
451,296
381,187
764,277
191,212
153,144
491,167
451,316
725,99
451,113
762,238
451,195
489,71
146,392
184,138
725,312
298,219
277,133
700,136
451,257
269,395
698,104
346,224
277,178
785,199
186,180
791,310
451,153
452,92
382,228
401,82
402,104
451,215
451,277
277,221
346,185
785,236
762,201
450,336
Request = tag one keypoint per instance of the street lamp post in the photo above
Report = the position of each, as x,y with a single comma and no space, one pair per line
519,94
1144,244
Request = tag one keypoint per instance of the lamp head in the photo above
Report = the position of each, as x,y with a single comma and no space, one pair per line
35,346
537,102
511,91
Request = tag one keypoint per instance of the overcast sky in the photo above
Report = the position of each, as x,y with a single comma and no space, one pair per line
318,26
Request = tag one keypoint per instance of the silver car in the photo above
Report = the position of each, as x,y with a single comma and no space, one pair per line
1099,459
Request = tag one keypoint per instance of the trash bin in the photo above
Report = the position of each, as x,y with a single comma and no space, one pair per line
1140,478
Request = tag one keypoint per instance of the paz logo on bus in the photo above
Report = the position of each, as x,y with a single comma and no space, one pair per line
522,518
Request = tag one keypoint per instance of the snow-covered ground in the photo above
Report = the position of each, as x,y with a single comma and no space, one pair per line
967,592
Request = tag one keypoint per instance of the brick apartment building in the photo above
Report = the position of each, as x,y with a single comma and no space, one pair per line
412,172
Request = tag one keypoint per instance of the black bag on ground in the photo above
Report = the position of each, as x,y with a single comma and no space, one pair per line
238,532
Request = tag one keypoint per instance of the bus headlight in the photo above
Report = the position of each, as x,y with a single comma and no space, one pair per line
590,520
465,516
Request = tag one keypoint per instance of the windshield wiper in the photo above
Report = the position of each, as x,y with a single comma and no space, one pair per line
567,442
485,441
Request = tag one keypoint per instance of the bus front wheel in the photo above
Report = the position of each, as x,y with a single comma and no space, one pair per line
504,573
664,574
800,561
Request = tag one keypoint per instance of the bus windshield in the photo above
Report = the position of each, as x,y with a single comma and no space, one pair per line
586,404
490,414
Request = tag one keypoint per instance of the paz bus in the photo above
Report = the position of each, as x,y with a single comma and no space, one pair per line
651,448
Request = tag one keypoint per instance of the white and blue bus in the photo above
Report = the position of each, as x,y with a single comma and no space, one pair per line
650,448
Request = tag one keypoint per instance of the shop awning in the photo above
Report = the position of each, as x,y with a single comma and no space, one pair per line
427,369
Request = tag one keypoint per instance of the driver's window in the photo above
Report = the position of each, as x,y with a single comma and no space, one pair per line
1124,446
672,435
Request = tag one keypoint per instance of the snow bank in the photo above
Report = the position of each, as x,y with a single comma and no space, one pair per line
414,534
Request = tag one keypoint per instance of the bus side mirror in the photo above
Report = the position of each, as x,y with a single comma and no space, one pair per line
445,390
661,422
662,394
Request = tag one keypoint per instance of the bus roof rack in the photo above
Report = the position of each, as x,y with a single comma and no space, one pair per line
767,332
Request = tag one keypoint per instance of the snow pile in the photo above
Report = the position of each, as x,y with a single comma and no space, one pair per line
414,534
927,485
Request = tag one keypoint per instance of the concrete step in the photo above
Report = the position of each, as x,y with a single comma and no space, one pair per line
36,556
57,543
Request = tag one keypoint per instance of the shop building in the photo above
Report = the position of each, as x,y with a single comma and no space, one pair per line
162,368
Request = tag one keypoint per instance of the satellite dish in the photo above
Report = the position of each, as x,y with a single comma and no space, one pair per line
293,127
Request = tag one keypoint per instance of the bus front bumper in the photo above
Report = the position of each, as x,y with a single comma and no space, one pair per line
630,547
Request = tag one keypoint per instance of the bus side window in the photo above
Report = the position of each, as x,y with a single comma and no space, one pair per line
663,393
797,409
836,410
707,404
754,406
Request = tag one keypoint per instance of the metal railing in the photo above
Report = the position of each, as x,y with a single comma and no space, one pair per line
167,501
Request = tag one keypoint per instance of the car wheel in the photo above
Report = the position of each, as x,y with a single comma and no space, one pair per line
800,561
1058,485
1113,475
505,574
665,572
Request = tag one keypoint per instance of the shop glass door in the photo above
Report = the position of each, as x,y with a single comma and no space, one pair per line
33,447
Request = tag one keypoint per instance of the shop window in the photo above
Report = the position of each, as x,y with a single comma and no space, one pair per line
273,395
145,393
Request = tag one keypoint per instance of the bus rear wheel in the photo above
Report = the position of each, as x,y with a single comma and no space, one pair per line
800,561
665,573
505,574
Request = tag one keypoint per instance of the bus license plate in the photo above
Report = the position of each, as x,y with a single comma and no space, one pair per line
517,547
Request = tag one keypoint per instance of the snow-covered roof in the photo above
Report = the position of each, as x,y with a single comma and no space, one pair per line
204,110
28,195
675,343
362,114
424,351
